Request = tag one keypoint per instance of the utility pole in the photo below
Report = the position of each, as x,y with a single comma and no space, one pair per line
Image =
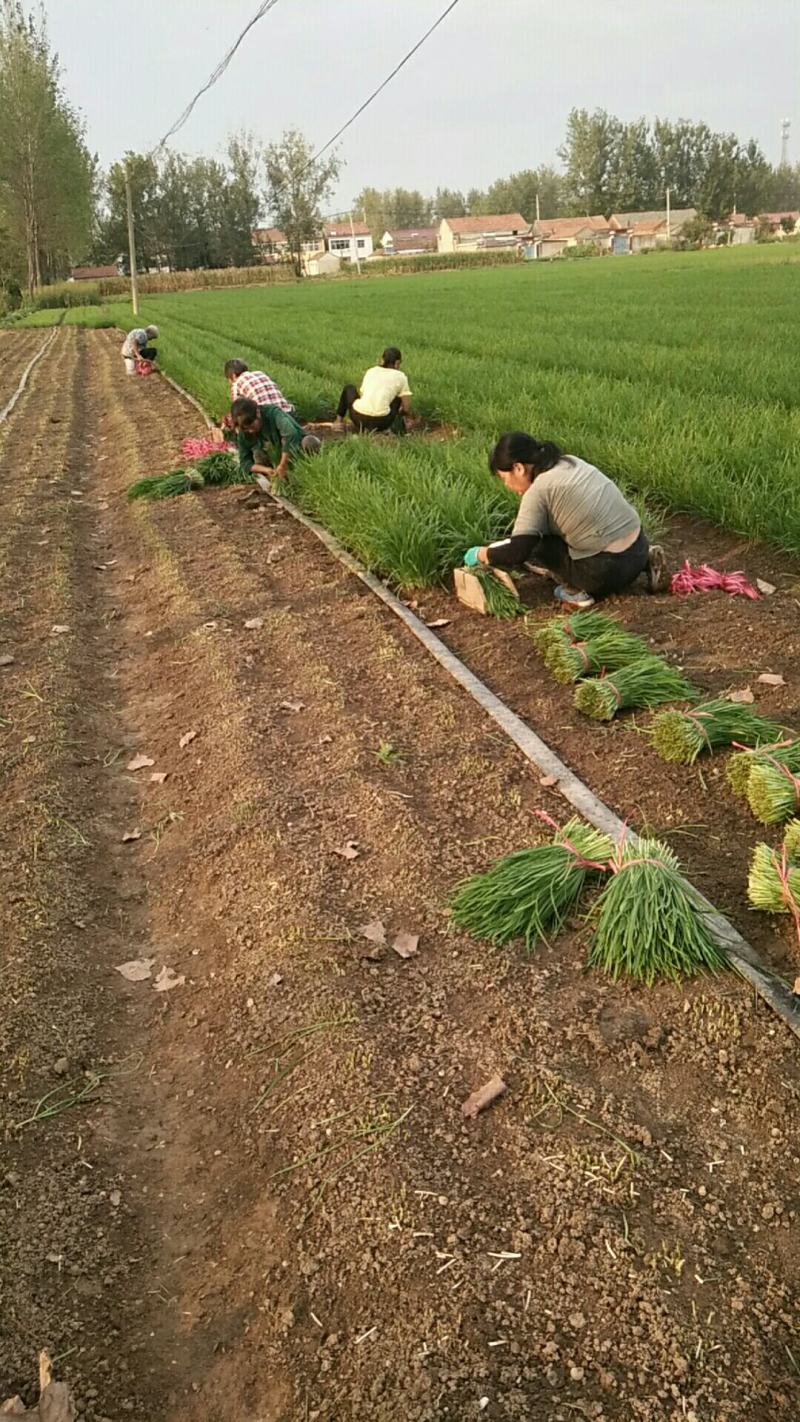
785,126
355,246
131,244
669,228
536,231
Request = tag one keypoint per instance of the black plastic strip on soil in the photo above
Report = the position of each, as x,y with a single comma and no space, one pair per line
774,990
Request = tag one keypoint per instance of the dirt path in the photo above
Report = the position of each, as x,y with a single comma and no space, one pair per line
16,349
268,1207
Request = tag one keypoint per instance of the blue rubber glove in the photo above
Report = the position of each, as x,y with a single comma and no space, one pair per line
471,559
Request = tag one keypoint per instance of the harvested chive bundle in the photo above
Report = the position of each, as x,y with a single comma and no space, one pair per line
610,650
791,842
646,682
773,883
530,893
647,925
500,600
682,735
773,791
166,486
740,765
577,628
219,469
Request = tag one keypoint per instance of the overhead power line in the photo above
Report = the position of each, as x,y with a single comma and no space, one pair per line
262,10
359,111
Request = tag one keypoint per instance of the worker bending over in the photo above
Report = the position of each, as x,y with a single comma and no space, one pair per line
137,346
573,521
268,438
384,398
253,385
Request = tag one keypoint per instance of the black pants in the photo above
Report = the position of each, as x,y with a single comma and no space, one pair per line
367,422
600,575
147,353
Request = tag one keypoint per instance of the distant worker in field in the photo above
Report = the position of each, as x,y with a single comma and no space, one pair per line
384,399
268,438
573,522
250,385
137,346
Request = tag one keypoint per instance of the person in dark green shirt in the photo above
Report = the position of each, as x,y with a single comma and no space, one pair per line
268,437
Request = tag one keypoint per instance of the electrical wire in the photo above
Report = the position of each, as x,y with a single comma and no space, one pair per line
262,10
359,111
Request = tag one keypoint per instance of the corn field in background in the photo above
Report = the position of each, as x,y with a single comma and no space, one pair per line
675,373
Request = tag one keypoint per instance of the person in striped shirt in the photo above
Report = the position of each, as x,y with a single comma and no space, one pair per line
253,385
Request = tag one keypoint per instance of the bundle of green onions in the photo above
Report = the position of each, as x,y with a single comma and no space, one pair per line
577,628
774,882
682,735
529,894
500,600
646,682
166,486
608,651
220,469
648,926
773,791
740,765
791,842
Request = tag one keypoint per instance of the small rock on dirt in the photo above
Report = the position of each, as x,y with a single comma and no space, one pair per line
766,588
186,739
349,850
253,623
6,660
744,697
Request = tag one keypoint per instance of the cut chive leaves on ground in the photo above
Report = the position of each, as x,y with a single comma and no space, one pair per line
609,650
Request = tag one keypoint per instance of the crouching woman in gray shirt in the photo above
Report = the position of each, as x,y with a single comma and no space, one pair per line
572,521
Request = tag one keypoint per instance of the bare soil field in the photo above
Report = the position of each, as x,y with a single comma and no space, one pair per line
241,1188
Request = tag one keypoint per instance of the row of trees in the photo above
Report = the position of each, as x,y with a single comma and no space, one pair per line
56,210
47,175
611,166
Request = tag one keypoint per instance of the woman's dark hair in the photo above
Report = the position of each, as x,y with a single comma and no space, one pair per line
244,410
519,448
391,356
235,367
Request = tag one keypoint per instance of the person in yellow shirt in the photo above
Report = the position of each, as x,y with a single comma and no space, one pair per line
383,400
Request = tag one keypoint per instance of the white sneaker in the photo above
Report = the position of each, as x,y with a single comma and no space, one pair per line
572,597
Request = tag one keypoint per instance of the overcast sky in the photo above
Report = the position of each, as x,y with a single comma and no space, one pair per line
487,94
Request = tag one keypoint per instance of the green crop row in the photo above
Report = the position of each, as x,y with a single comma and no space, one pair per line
678,377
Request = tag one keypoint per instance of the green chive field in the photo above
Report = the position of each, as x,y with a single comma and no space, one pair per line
677,374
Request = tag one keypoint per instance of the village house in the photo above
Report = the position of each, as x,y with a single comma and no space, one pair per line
271,243
736,230
645,231
781,224
348,240
408,241
321,263
477,234
550,236
95,273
